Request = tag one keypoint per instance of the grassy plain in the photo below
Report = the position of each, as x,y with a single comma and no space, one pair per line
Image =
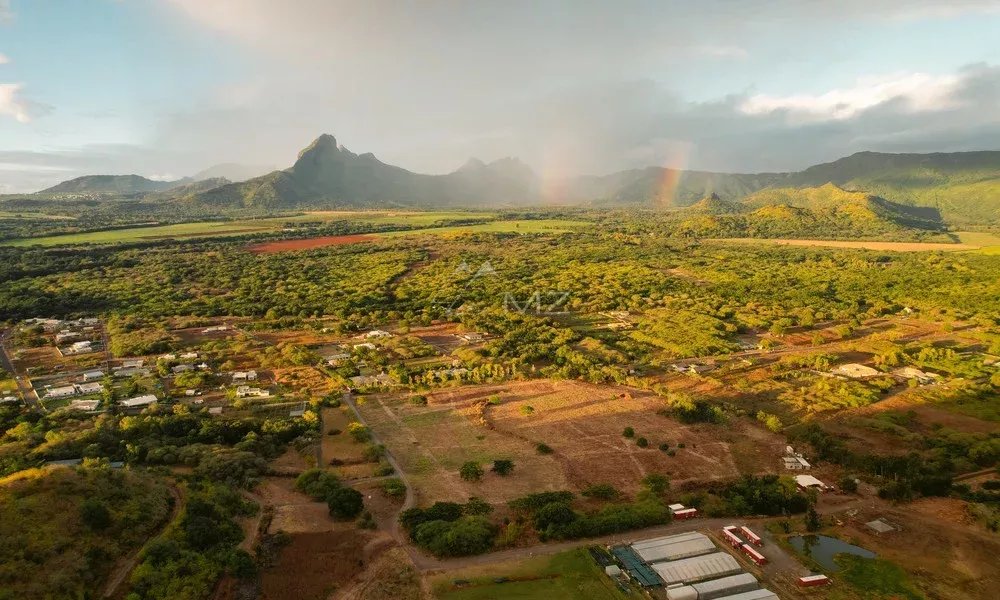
243,227
566,576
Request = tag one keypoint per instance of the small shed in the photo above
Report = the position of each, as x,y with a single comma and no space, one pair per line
880,526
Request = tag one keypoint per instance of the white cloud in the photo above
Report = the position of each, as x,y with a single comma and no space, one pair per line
721,51
3,59
916,92
12,104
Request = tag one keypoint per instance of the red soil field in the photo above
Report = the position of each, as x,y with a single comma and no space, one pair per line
309,243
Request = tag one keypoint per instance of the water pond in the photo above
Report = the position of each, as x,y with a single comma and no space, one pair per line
823,548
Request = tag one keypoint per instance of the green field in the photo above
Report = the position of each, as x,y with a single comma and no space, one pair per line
517,226
567,576
989,243
242,227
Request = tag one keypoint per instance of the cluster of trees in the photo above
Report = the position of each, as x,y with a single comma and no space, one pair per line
186,562
553,517
344,502
450,529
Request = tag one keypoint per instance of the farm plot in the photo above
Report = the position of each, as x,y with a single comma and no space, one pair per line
581,423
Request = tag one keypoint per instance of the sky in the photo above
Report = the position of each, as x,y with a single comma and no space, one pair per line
167,88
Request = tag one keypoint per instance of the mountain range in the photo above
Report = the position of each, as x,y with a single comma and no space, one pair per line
960,187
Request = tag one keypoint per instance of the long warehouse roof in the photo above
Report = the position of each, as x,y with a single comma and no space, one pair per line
674,547
697,568
754,595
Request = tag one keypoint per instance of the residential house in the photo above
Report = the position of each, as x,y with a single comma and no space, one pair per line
378,334
95,375
177,369
90,388
62,392
245,391
144,400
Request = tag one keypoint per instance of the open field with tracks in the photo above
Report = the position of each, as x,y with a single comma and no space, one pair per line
581,423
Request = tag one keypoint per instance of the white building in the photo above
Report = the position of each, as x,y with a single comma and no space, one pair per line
93,375
62,392
378,334
245,376
90,388
144,400
806,482
245,391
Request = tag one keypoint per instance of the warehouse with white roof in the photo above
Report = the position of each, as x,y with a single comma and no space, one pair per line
715,588
697,568
673,547
754,595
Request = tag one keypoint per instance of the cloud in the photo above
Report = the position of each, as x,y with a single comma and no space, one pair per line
916,92
12,104
3,59
721,51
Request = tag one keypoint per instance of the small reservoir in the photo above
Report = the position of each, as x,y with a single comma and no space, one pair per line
823,548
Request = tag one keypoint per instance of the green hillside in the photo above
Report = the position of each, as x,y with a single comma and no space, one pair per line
109,184
964,187
61,529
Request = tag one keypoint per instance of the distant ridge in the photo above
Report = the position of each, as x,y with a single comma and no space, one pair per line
958,187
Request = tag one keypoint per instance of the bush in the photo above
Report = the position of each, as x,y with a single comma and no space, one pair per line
656,483
849,484
477,506
628,432
471,471
642,442
543,448
418,400
527,409
359,433
394,488
602,491
411,518
503,467
664,447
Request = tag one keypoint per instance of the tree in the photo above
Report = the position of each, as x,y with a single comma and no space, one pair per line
642,442
812,520
503,467
345,503
95,515
656,483
471,471
628,432
849,484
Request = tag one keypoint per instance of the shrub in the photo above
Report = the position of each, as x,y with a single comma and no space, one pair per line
602,491
394,488
848,484
493,400
359,433
642,442
503,467
527,409
543,448
664,447
471,471
628,432
477,506
418,400
656,483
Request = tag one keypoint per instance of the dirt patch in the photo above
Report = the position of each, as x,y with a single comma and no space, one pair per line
309,243
391,576
315,565
583,425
